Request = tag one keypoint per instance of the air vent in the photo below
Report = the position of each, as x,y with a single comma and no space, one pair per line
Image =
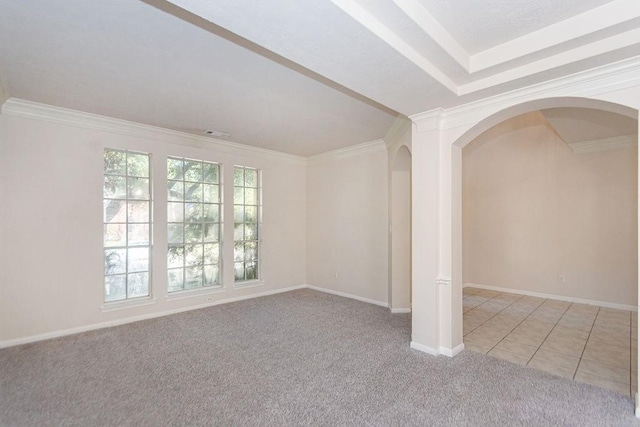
217,133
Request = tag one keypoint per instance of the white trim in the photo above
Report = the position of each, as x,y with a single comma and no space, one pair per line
50,113
371,23
346,295
423,348
399,310
603,144
117,322
245,284
443,281
615,76
451,352
430,25
637,405
605,16
354,150
553,296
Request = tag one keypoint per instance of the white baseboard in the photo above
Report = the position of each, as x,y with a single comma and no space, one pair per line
423,348
346,295
118,322
452,352
552,296
399,310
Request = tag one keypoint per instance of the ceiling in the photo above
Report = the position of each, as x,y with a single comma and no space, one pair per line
301,77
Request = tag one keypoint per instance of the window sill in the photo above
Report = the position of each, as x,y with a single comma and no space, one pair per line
248,284
123,305
191,293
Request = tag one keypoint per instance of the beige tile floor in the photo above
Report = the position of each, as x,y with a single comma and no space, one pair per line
590,344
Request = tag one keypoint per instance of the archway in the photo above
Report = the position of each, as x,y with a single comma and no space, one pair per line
400,229
457,138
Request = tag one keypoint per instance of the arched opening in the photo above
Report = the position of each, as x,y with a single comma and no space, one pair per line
547,219
400,228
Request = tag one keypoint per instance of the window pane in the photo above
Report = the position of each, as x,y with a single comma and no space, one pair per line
193,233
115,187
138,234
138,259
251,196
250,231
212,213
210,172
251,251
115,235
193,255
251,214
238,196
175,212
238,271
138,285
211,275
238,251
115,162
250,178
138,212
115,288
193,212
175,257
251,270
175,190
176,280
238,214
193,192
174,169
211,194
115,210
211,232
211,254
193,278
175,233
238,177
137,165
115,261
138,188
192,171
238,232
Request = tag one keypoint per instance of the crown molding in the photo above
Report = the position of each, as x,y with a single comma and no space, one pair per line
399,126
616,76
351,151
33,110
429,120
600,18
604,144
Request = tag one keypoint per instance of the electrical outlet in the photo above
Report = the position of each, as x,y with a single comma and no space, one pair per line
335,275
561,278
209,299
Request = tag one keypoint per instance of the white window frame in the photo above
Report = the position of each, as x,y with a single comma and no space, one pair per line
258,279
203,242
127,198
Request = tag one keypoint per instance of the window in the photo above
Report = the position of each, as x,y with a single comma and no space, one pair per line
193,228
127,225
246,218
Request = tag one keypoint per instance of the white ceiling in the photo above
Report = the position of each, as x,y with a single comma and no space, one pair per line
300,77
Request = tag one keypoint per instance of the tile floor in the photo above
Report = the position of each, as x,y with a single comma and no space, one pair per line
591,344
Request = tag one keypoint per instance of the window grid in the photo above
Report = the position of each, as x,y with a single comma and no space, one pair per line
193,224
127,225
246,218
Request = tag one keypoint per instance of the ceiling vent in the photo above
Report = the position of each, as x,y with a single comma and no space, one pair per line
217,133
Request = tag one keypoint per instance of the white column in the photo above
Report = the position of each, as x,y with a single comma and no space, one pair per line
425,235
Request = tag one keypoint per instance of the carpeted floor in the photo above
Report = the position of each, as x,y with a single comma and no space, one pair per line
299,358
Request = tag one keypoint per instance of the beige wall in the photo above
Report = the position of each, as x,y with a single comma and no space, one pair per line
51,267
347,223
534,210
